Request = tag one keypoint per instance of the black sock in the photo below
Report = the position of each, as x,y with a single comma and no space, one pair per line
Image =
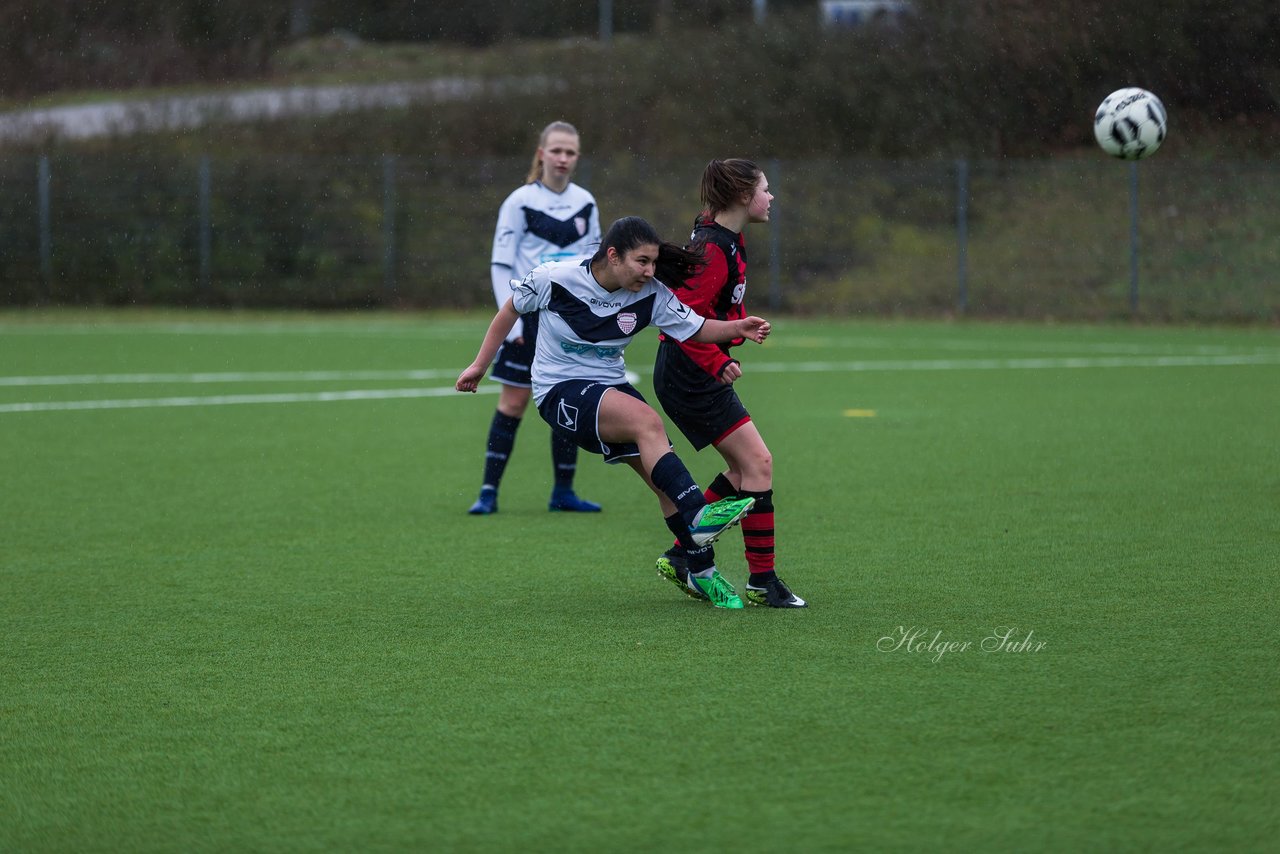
564,456
502,438
699,557
670,476
722,487
677,525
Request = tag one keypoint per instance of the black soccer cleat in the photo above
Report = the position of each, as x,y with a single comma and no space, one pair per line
774,594
673,565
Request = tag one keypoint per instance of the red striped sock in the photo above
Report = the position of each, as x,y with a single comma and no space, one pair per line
757,533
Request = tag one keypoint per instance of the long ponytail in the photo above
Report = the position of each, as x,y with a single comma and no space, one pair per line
674,264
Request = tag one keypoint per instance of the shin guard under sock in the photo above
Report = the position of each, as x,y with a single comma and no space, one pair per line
564,457
757,536
675,482
502,438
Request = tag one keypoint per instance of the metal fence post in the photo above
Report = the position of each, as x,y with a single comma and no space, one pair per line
206,225
606,21
389,223
44,179
775,245
1133,237
962,235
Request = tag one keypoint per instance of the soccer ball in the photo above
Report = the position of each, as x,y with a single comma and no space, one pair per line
1130,124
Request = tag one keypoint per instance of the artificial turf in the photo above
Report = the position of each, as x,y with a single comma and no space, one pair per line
269,624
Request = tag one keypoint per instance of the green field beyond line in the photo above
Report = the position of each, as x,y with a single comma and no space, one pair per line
1038,560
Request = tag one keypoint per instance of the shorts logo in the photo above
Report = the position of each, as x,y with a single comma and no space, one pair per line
567,416
627,322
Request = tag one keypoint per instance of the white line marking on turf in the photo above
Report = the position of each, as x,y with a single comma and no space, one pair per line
856,342
1015,364
226,377
765,367
233,399
447,330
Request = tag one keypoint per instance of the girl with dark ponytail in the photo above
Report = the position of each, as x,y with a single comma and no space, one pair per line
694,381
589,310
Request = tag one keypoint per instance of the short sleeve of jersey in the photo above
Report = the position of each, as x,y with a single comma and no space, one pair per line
533,293
674,317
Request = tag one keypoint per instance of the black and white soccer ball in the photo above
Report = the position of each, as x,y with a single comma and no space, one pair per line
1130,124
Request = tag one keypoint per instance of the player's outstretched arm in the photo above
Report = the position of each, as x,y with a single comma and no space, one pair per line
755,328
499,328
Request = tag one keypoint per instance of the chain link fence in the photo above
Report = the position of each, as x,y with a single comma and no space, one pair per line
1083,238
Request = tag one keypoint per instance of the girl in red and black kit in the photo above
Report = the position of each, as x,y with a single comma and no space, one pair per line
694,382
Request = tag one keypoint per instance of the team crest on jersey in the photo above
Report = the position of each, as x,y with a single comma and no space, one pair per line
580,223
627,322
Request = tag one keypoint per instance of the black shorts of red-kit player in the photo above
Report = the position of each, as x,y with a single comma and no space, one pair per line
704,409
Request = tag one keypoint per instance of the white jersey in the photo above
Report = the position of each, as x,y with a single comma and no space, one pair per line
537,225
583,328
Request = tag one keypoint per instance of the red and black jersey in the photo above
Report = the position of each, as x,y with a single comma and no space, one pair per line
717,290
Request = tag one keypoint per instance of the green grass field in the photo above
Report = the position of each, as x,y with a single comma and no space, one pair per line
243,607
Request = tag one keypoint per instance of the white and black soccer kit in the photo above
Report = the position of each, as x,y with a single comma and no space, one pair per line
583,332
536,225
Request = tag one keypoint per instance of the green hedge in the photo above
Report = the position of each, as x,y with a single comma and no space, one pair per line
1044,238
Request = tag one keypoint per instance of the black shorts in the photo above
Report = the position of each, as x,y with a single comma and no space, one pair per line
702,408
572,408
514,363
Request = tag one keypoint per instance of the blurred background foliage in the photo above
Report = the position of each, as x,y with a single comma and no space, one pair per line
979,78
860,127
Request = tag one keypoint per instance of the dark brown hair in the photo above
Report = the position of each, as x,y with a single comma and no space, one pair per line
726,183
674,264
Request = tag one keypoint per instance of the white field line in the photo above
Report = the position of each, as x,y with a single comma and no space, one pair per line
226,377
1095,362
456,331
1016,364
233,399
1113,348
228,329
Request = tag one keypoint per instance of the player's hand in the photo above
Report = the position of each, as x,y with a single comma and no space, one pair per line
469,380
730,372
755,328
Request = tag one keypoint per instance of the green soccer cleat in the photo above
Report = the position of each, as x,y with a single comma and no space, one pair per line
715,588
674,568
714,519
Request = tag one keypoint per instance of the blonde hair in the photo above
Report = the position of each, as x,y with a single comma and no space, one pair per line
535,171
